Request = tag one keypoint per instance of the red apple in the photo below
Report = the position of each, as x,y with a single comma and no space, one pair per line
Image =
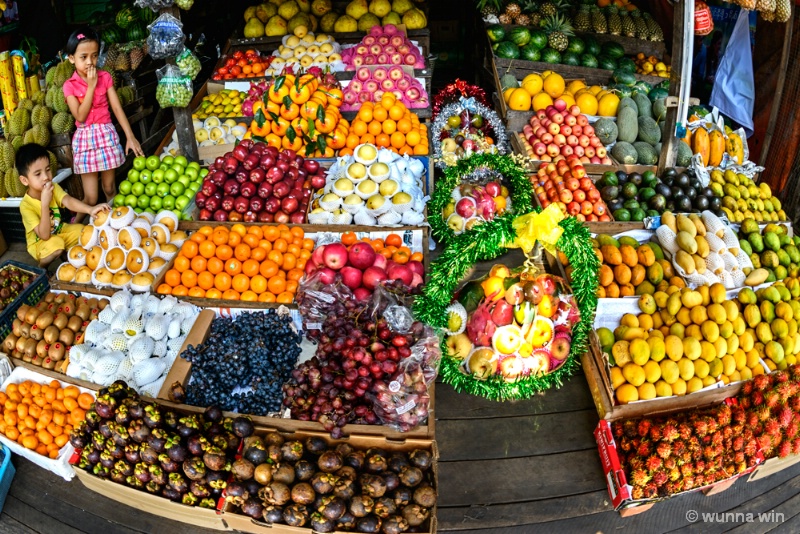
317,256
361,255
351,277
380,262
335,256
362,293
326,275
373,276
400,272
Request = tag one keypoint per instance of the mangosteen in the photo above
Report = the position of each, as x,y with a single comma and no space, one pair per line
189,500
199,489
136,410
118,389
263,474
394,524
256,453
117,451
78,439
346,472
243,469
177,393
320,523
213,414
361,505
331,507
153,487
93,456
103,472
170,420
295,515
208,502
347,521
119,434
188,426
168,464
415,514
316,445
345,488
105,405
376,461
174,449
134,482
392,481
343,449
194,468
273,438
124,468
158,439
304,470
196,444
148,454
106,428
303,493
157,474
170,493
242,426
132,453
397,461
284,473
152,416
139,431
292,451
253,508
214,459
106,460
142,472
123,416
273,514
217,479
372,485
330,461
370,523
421,458
385,507
276,493
403,496
251,486
117,476
635,178
411,476
323,483
356,460
425,496
236,493
232,442
274,453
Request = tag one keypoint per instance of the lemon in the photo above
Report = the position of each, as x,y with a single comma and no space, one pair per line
627,393
647,391
554,85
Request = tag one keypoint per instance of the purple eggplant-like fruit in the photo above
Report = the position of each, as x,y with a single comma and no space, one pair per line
284,473
332,507
376,461
303,493
217,479
320,523
214,459
124,468
197,445
415,514
273,513
347,521
394,524
157,474
213,414
134,482
330,461
402,496
304,470
369,523
106,428
170,420
158,439
117,476
208,502
316,445
323,483
411,476
421,458
384,507
425,496
392,481
296,515
106,460
345,488
174,449
123,415
398,461
243,469
153,487
189,499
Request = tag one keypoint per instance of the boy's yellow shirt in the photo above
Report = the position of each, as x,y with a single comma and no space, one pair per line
31,211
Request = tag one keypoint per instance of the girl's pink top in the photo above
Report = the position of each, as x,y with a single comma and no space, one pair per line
100,113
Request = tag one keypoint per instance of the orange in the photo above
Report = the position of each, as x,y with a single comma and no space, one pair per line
289,261
268,268
396,112
224,252
294,249
233,266
368,138
358,128
374,128
197,292
213,293
297,232
397,140
291,286
404,126
394,240
222,281
420,150
250,268
256,231
249,296
308,244
389,126
417,256
266,297
215,265
220,237
285,298
197,238
206,230
276,285
189,279
401,256
405,149
280,245
377,244
251,240
181,264
294,274
259,253
382,140
230,295
275,256
189,249
199,264
241,252
380,114
271,233
208,249
234,239
180,291
258,284
365,113
413,138
240,283
205,280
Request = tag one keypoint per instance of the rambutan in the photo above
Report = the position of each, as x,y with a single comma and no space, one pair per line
688,482
637,492
746,403
761,382
686,457
763,411
757,398
772,399
650,491
712,425
699,466
674,474
664,450
717,438
693,444
785,391
747,434
643,428
617,429
751,461
709,452
629,427
785,416
727,432
653,463
794,403
794,371
791,429
738,443
741,467
637,462
765,442
655,433
750,447
686,470
643,449
685,431
639,477
796,446
670,432
699,481
738,416
626,445
752,418
772,427
672,488
701,427
747,388
724,415
780,376
738,457
784,449
670,463
660,477
678,448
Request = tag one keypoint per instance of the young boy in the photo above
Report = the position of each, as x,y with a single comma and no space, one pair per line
47,236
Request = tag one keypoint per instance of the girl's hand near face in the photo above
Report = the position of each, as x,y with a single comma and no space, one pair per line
91,76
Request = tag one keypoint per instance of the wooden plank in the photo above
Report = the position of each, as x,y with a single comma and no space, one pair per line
35,519
520,479
9,525
515,437
573,395
529,513
669,149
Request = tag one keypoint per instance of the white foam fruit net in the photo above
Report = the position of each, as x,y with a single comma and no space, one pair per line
714,263
712,223
744,260
715,243
666,237
730,260
148,370
727,280
738,278
730,239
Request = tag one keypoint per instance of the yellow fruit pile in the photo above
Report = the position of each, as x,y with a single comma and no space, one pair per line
684,340
226,103
537,91
651,66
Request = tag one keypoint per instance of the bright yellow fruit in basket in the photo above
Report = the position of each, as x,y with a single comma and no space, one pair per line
587,102
533,83
554,85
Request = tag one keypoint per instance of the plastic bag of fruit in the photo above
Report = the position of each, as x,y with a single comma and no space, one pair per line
188,63
321,295
166,37
155,5
174,89
476,201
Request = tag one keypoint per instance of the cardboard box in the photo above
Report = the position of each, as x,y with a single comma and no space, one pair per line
618,488
240,522
193,515
181,372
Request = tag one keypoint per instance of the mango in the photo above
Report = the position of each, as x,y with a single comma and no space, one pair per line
703,249
634,374
668,219
645,255
686,242
779,327
709,352
699,264
661,299
774,351
767,309
686,368
752,315
677,329
669,371
691,298
698,315
640,351
756,243
731,309
726,330
620,351
679,387
605,239
746,296
658,348
739,326
684,224
674,304
674,347
626,393
691,348
715,368
645,288
685,261
647,303
663,389
764,333
710,331
628,254
728,364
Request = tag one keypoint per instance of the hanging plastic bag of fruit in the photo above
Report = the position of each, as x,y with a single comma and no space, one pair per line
155,5
188,63
734,87
320,296
166,37
174,89
703,23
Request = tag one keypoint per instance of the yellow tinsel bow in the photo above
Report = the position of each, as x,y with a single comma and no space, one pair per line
542,227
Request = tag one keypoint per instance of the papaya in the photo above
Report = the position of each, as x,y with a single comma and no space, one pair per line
716,149
735,148
700,145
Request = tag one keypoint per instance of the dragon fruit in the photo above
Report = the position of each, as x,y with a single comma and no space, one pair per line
480,327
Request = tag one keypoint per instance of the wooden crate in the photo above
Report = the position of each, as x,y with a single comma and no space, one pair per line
593,170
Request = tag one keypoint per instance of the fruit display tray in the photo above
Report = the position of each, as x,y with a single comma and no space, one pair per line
181,372
30,296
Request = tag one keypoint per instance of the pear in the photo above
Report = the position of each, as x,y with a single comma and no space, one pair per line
368,21
304,5
276,27
375,202
401,6
264,12
357,9
289,9
404,198
253,29
414,19
328,21
380,8
392,18
345,24
321,7
301,19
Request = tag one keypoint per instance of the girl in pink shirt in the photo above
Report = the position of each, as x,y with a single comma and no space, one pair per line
89,92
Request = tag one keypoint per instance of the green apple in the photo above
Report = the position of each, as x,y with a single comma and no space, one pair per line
125,187
181,202
193,165
156,203
119,200
130,200
184,180
203,172
150,189
158,176
143,202
179,169
182,161
146,176
177,189
194,187
191,173
163,166
168,203
150,210
170,176
139,163
133,175
152,163
169,160
162,189
137,189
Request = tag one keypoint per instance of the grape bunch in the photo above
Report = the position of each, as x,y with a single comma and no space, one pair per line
355,355
189,64
174,92
255,352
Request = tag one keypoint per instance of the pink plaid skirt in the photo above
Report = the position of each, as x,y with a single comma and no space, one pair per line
96,148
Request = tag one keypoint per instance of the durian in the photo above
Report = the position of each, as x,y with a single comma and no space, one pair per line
41,134
62,123
20,122
54,166
50,76
16,143
25,103
59,102
41,115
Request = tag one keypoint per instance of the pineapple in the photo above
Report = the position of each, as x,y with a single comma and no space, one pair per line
489,8
513,10
548,9
504,19
641,25
530,8
628,27
583,19
112,55
653,28
122,63
558,30
783,10
522,19
766,6
614,20
599,23
137,56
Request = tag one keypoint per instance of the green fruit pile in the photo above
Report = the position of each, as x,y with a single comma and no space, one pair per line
154,184
744,199
771,248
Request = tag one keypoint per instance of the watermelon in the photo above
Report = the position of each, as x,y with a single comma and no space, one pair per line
111,36
613,50
627,65
570,58
592,47
588,60
125,17
607,63
496,33
576,45
147,15
136,32
623,91
507,50
529,52
539,39
519,36
642,87
551,55
657,93
623,77
96,18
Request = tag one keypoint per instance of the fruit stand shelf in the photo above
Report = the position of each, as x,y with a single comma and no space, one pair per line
521,68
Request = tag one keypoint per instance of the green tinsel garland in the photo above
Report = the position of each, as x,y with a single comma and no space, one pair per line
486,242
521,193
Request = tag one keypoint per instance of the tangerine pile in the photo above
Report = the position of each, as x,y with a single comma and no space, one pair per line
391,248
40,416
250,263
388,124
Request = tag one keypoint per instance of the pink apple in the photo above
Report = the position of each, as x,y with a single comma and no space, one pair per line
560,139
502,313
601,151
560,104
316,256
361,255
577,130
559,349
569,120
553,128
558,118
416,280
372,277
466,207
553,150
326,276
362,293
547,138
539,149
335,256
579,150
380,262
400,272
351,277
417,267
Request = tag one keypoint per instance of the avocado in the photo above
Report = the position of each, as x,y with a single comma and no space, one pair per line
631,204
663,190
658,202
622,176
614,205
682,180
609,192
622,215
714,204
638,215
609,178
646,194
700,202
630,190
636,178
684,204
